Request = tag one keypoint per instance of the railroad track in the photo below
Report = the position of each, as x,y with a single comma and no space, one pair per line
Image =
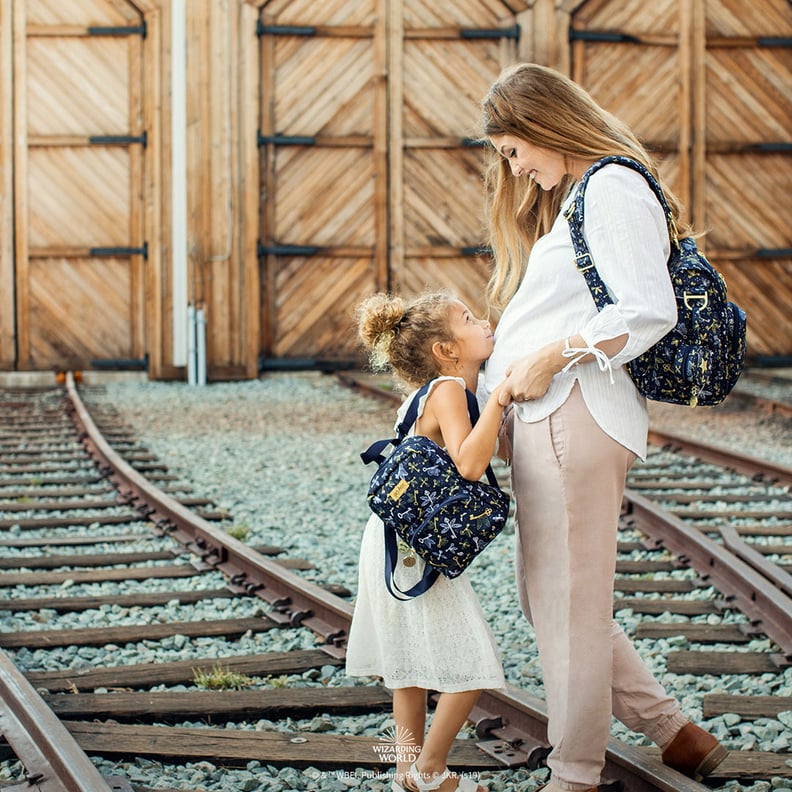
764,391
83,507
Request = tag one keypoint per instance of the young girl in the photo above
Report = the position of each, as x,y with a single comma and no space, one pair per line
439,640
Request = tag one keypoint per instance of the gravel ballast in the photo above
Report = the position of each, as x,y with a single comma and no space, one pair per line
281,454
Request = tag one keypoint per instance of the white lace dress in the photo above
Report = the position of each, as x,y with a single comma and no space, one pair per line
438,641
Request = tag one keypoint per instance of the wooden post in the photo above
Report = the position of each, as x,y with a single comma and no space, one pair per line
137,228
249,180
157,185
267,185
380,135
698,202
20,186
8,290
396,140
686,106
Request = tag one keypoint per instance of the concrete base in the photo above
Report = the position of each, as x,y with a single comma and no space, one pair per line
47,379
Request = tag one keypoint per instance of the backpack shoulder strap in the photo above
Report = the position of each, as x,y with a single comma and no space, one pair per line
374,453
574,214
576,207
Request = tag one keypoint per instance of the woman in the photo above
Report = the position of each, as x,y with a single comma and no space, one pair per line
578,422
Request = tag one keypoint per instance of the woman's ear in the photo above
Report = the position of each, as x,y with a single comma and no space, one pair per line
445,352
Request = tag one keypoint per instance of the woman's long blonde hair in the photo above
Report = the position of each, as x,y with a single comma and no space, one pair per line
547,109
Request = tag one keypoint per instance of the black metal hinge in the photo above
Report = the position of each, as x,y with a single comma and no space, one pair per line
132,30
599,35
284,30
285,140
774,41
491,33
285,250
477,250
771,148
118,140
106,252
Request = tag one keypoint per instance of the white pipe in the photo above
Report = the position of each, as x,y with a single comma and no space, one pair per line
181,324
200,346
192,374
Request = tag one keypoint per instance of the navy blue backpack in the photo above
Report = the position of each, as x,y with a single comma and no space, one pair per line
428,506
700,360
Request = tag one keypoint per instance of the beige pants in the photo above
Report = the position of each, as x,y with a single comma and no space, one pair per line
568,477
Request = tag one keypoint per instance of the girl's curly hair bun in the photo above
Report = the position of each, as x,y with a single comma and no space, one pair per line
378,319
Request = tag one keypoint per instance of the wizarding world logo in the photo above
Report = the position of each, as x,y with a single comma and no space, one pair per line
397,744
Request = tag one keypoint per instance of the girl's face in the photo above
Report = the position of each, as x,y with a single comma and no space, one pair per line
472,337
545,166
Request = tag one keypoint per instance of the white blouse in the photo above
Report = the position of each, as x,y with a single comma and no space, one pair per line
626,232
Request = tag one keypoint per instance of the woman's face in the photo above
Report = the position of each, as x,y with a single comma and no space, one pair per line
545,166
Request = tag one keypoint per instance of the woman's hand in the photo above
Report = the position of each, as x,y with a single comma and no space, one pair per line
529,377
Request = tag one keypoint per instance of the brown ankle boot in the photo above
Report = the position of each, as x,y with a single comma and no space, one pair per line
694,752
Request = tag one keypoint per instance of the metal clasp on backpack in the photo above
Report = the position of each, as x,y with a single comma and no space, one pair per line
688,297
583,256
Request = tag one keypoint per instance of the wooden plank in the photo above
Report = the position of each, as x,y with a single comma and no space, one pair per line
665,605
99,636
21,203
758,529
107,519
220,270
136,229
156,187
628,585
380,136
698,94
65,604
216,706
685,110
181,672
86,560
696,633
746,706
267,171
239,747
67,541
249,181
82,12
712,514
721,663
93,576
644,567
396,133
7,155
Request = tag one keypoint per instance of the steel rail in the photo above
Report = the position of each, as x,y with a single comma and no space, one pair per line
752,593
295,601
742,463
52,759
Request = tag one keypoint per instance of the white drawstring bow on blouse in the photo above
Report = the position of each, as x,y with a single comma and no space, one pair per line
578,353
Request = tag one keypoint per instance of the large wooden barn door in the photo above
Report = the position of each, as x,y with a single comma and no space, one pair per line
370,179
322,132
443,57
79,147
706,84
